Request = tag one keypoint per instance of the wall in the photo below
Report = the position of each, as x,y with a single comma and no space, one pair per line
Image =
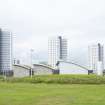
67,68
42,70
19,71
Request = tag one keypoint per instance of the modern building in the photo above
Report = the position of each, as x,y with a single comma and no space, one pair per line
40,69
72,68
57,50
21,71
16,61
100,69
96,55
5,52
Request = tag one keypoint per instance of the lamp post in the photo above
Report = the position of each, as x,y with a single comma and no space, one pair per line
31,51
4,72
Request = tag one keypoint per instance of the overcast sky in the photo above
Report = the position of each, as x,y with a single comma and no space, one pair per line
82,22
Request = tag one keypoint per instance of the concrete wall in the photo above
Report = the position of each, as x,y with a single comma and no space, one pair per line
42,70
67,68
19,71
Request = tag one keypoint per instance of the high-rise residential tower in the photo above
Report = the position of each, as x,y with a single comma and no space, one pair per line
96,55
5,52
57,50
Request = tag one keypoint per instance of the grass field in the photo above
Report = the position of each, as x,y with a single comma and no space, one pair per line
51,94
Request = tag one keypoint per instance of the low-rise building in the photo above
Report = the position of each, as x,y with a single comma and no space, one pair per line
21,71
71,68
40,69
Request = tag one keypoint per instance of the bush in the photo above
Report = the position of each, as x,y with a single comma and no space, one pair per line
61,79
1,78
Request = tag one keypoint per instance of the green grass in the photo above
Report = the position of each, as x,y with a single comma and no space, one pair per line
51,94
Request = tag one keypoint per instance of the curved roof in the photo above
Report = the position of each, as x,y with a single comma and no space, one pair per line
46,66
73,64
23,66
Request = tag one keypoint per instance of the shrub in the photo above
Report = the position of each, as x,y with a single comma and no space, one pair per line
60,79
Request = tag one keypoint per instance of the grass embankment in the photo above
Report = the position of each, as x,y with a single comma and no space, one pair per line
61,79
51,94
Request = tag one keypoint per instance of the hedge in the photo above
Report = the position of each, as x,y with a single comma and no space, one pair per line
59,79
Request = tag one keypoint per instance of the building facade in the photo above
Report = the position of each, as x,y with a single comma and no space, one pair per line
96,54
5,52
57,50
21,71
16,61
40,69
71,68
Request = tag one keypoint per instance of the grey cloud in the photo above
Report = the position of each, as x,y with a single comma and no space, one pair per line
81,21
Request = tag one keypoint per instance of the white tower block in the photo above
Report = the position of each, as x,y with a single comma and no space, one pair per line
99,68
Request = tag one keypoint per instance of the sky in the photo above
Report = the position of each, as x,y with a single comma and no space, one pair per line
32,22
